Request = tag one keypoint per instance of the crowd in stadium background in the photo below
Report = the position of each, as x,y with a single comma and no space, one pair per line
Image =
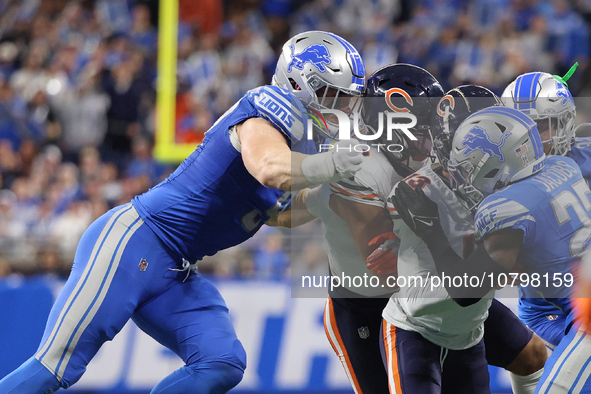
77,96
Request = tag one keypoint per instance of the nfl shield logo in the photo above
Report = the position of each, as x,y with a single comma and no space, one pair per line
363,332
143,264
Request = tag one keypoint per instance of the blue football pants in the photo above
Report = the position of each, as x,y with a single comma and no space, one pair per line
122,270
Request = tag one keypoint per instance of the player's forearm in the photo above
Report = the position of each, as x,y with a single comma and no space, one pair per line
286,170
296,216
449,264
291,219
283,170
277,169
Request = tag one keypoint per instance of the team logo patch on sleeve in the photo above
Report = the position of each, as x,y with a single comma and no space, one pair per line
417,180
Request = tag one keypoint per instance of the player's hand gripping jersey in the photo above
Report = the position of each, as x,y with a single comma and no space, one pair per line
419,307
211,202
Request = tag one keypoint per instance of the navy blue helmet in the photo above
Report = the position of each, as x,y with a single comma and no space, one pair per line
452,110
404,88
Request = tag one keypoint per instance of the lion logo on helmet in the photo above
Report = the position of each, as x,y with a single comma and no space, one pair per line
317,54
477,139
562,91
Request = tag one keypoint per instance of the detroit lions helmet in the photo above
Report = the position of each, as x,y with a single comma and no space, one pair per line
549,103
403,88
324,71
491,149
452,110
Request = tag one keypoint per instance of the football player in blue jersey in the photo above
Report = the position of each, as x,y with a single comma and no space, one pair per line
498,167
139,260
546,99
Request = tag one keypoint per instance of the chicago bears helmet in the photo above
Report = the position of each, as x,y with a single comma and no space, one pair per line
492,148
403,88
549,103
452,110
324,71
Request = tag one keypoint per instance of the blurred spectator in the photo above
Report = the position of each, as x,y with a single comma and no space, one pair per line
142,33
69,227
5,269
271,261
568,37
206,15
143,164
312,261
114,15
124,91
82,112
8,54
32,78
247,57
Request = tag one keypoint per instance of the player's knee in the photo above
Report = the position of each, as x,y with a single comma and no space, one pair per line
221,377
531,359
232,376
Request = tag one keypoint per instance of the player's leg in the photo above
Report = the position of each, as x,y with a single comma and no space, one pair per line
352,326
568,370
91,308
412,362
465,371
512,346
30,377
547,321
192,320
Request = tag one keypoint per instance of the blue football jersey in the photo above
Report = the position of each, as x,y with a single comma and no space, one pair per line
530,309
211,202
581,154
553,209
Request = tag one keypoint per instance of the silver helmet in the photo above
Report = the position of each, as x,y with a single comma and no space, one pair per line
491,149
324,71
549,103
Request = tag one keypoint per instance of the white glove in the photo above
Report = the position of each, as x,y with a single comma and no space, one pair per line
342,162
346,159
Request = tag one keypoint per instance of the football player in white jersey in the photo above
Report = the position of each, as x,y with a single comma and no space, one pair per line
353,212
498,166
431,312
518,352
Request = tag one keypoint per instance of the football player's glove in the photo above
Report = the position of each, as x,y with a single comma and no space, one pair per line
384,260
417,210
329,167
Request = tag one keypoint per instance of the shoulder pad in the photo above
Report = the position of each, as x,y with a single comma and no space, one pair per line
497,212
285,111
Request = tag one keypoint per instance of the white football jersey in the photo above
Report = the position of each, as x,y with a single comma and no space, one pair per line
419,306
371,185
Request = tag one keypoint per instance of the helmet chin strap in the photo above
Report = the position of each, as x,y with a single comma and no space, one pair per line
503,180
